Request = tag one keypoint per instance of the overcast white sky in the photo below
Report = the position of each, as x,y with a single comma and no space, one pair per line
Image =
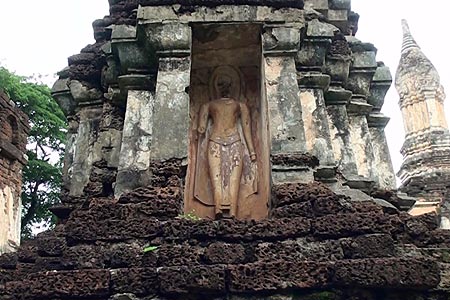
36,37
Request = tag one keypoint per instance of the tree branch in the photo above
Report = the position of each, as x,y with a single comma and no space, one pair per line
44,153
31,212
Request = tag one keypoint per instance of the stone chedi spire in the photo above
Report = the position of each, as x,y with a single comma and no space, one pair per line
426,151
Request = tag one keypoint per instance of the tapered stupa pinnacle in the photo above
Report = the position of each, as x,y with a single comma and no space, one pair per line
415,71
408,40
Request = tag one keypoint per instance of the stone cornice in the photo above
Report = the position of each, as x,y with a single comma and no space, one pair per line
214,3
223,13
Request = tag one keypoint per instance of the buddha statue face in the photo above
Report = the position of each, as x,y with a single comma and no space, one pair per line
223,86
225,82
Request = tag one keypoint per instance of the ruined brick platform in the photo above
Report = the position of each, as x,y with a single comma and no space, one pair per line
316,244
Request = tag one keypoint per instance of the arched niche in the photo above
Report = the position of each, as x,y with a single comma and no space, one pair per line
236,50
11,130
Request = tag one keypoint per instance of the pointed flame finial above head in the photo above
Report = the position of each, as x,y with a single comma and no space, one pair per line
408,40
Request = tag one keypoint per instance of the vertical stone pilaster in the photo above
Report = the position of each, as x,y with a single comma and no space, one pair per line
381,82
171,42
82,105
336,100
82,148
377,122
385,176
134,163
61,93
362,71
93,138
315,117
69,155
362,146
337,65
282,92
287,132
86,123
136,64
171,108
434,109
313,83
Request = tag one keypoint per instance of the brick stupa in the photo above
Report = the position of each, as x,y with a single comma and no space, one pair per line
315,217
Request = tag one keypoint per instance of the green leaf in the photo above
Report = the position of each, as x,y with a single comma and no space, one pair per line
150,249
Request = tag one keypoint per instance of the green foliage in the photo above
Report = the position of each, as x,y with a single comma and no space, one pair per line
150,249
190,216
45,149
445,256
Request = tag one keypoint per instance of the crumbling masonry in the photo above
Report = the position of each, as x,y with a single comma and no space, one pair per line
323,226
14,130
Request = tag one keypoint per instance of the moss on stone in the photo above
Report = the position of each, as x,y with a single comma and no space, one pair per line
325,295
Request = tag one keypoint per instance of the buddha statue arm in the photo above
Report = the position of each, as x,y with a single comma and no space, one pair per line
203,118
246,128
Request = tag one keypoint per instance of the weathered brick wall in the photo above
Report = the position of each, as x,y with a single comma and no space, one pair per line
318,245
13,138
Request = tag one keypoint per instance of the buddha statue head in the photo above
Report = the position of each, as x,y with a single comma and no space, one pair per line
225,83
223,86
